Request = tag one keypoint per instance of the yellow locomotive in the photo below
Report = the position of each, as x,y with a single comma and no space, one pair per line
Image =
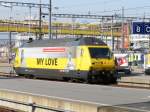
88,59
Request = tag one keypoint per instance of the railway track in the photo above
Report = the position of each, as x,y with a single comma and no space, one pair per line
128,86
7,75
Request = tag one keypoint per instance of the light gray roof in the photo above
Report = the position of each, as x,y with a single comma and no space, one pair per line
65,42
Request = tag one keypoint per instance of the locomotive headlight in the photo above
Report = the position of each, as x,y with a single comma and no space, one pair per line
93,63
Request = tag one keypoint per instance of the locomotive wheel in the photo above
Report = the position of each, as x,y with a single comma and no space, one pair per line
91,79
105,79
66,79
29,76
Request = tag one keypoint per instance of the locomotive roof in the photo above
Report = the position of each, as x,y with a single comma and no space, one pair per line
65,42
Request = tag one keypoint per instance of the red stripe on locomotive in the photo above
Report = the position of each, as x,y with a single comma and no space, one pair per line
53,49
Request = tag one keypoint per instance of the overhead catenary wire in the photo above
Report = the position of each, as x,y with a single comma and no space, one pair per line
116,10
91,3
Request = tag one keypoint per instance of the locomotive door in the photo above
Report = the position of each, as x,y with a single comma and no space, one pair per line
22,59
79,58
71,59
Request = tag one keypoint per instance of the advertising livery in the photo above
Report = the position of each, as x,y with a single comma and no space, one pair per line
87,58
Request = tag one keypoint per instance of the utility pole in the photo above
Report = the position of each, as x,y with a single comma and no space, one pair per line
112,32
144,17
30,21
10,47
40,21
102,29
122,32
73,26
50,20
10,35
149,40
56,8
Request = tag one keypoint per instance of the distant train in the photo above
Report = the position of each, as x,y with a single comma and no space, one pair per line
122,63
88,59
147,64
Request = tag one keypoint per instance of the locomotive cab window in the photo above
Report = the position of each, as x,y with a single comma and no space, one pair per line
100,53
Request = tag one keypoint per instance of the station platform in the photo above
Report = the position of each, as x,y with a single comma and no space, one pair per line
135,80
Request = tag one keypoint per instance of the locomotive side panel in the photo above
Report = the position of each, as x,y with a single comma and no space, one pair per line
47,62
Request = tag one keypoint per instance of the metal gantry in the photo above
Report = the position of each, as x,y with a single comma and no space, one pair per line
33,5
89,16
79,16
110,18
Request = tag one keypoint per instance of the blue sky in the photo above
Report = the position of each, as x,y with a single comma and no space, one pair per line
83,7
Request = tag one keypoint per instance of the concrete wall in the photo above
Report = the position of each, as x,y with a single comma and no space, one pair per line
115,109
51,102
44,101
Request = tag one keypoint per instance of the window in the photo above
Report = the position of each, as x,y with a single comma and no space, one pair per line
100,53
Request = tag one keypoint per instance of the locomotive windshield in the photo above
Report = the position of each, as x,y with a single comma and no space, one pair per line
100,53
